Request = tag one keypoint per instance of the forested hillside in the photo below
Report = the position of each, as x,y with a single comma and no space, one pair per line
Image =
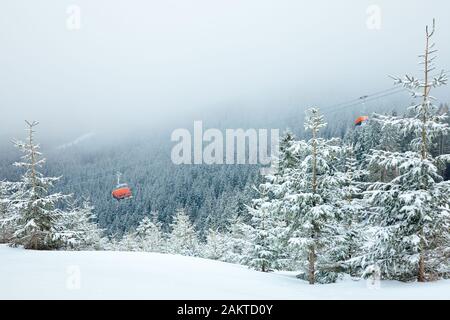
211,194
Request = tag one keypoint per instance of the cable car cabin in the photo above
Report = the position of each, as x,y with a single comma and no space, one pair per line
122,191
361,120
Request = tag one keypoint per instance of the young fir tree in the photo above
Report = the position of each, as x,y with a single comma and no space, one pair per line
128,242
77,228
111,243
390,141
264,235
279,185
35,214
313,196
352,209
412,211
287,159
237,241
183,238
6,225
267,234
149,236
365,138
216,245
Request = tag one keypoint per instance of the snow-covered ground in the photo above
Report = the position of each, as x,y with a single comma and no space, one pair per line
26,274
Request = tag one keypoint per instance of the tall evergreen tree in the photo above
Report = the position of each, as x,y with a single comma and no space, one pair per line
287,157
6,224
364,138
412,211
352,208
314,195
35,214
267,232
264,234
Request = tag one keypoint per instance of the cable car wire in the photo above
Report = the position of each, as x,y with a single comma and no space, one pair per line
370,97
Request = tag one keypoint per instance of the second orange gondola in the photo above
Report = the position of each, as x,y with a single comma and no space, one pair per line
361,120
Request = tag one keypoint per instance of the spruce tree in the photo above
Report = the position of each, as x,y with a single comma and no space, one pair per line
6,224
149,236
128,242
216,245
287,158
183,238
264,234
411,212
314,196
352,213
237,242
77,228
35,213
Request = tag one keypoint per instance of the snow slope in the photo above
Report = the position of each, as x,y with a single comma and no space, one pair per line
28,274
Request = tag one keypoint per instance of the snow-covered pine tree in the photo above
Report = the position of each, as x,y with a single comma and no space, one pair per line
390,141
6,226
313,196
149,236
352,212
412,211
35,214
128,242
216,245
183,237
267,233
237,242
264,234
287,158
111,243
77,228
364,138
389,138
3,206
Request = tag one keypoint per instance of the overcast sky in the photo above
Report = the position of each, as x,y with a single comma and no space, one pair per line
147,62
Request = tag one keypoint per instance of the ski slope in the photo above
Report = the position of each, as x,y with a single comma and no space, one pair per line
26,274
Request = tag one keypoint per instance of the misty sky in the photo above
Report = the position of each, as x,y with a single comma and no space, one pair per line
146,62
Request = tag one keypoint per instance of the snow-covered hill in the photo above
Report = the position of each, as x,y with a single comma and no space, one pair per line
138,275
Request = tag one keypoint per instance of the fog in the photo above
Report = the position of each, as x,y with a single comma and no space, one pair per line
151,64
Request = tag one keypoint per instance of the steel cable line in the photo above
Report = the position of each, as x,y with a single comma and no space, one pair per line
399,90
368,98
361,98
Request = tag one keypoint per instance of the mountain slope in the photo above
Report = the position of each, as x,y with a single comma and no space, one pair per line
138,275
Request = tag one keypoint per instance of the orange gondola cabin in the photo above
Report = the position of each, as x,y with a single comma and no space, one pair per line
361,120
122,191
